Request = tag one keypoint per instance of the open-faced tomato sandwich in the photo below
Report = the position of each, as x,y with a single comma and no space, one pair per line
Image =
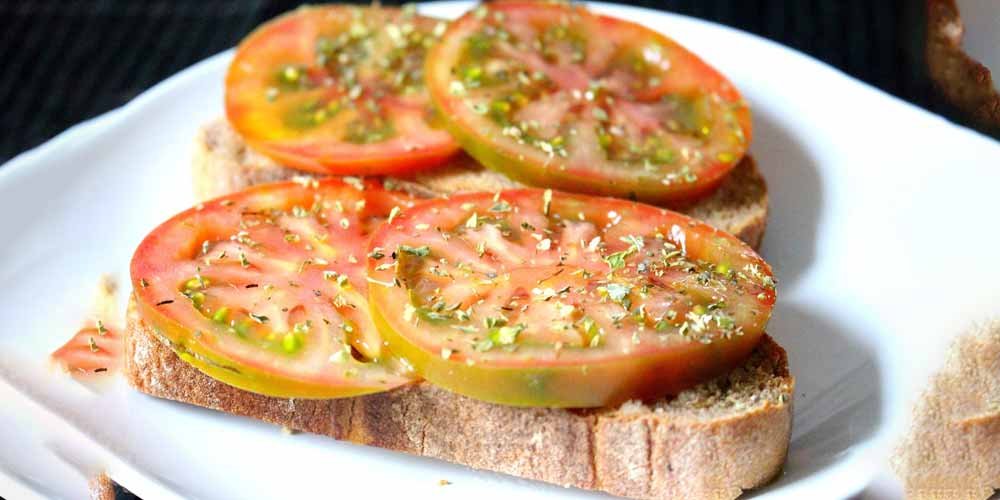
476,226
557,97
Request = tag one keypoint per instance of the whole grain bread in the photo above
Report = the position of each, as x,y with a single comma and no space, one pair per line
713,441
951,450
223,164
965,82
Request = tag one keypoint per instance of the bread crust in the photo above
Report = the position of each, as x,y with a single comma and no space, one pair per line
713,441
965,82
101,487
223,164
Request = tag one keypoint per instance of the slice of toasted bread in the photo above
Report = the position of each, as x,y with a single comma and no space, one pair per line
224,164
713,441
951,449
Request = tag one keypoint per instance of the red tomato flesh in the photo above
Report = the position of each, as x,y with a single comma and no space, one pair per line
266,290
556,96
92,351
338,89
534,298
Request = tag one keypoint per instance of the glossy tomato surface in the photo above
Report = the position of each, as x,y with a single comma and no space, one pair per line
92,351
535,298
556,96
338,89
266,289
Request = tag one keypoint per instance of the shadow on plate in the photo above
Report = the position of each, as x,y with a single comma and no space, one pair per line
839,400
795,193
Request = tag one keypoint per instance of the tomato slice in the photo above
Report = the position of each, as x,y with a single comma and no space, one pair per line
338,89
556,96
534,298
266,289
92,351
96,348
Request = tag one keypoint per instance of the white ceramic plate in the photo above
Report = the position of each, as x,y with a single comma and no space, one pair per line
882,235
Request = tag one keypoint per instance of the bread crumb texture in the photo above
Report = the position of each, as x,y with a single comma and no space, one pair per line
101,487
952,449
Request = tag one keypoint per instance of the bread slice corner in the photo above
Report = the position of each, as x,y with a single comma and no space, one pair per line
223,163
713,441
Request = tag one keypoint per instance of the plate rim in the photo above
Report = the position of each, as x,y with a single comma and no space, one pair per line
30,162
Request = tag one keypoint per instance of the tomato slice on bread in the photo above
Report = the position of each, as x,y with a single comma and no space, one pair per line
535,298
266,289
556,96
338,89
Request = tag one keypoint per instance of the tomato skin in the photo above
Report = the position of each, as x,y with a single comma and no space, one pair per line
689,75
580,386
571,376
380,163
163,261
290,40
249,379
90,352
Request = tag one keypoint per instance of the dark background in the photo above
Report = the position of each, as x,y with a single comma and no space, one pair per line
63,61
